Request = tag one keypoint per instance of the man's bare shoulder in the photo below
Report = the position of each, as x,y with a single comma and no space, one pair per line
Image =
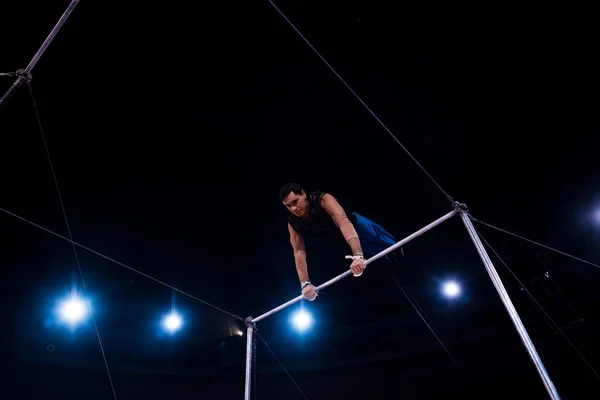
329,203
326,198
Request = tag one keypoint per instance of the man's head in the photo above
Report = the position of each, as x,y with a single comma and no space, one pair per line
294,199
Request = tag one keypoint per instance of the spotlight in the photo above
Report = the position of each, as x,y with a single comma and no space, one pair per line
451,289
302,320
172,322
72,310
597,215
239,333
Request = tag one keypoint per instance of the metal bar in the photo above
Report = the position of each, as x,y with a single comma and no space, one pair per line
512,312
249,350
51,36
11,89
370,260
40,51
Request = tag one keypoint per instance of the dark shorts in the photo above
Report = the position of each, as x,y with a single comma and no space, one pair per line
373,238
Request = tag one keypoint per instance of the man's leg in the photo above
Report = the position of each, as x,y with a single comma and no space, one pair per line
373,237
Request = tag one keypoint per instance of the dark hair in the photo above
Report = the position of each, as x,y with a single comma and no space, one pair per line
288,188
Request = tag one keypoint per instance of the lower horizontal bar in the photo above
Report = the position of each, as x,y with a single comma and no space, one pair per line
369,261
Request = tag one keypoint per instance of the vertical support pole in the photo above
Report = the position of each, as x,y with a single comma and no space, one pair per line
249,357
512,312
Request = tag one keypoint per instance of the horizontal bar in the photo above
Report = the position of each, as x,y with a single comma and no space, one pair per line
369,261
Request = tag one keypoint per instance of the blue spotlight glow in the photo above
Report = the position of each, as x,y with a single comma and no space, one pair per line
172,322
302,320
451,289
597,215
72,310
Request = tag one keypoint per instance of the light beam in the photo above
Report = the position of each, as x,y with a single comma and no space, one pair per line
172,322
302,320
72,310
451,289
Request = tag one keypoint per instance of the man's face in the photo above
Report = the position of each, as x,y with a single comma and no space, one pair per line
296,203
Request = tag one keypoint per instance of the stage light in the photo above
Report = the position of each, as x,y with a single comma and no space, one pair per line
172,322
239,333
451,289
302,320
72,310
597,215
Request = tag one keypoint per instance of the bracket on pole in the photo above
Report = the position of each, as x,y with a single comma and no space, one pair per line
24,75
460,207
250,324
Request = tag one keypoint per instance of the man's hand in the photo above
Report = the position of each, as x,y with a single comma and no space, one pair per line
309,292
358,266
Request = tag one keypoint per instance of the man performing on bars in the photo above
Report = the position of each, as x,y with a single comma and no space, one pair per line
318,215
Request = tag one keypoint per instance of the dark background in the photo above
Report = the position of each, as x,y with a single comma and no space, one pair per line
172,126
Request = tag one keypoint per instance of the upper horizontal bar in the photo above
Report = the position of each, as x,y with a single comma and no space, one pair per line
369,261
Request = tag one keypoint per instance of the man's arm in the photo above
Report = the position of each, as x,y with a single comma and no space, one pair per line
337,213
308,290
299,254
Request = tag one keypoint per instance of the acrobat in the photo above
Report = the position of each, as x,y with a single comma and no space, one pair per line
319,216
